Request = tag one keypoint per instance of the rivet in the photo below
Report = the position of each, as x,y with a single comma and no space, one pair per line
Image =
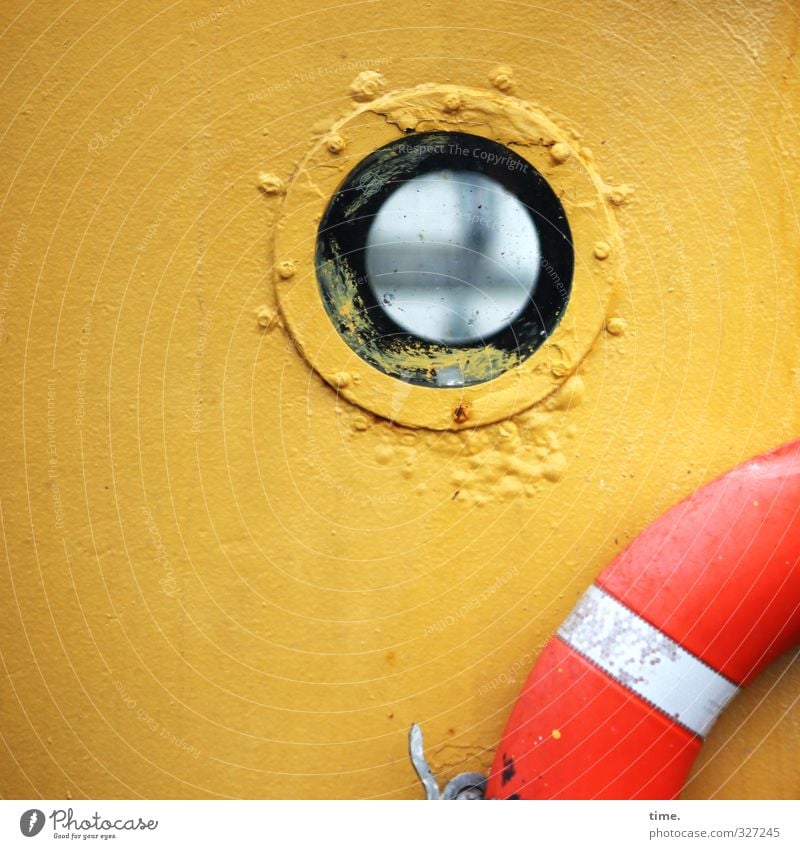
616,325
452,102
336,143
602,250
270,184
286,269
267,317
560,152
502,77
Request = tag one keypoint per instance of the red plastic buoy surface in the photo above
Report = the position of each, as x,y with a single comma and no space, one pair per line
623,695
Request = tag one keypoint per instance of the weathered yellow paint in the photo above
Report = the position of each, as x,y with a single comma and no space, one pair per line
223,579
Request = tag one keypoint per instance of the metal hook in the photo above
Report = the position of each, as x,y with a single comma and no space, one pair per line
467,785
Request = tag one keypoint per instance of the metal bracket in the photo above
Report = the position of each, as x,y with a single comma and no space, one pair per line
467,785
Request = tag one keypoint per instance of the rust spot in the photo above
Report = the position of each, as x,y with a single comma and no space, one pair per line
451,731
461,413
390,657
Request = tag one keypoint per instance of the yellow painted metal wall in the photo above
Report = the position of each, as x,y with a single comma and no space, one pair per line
219,580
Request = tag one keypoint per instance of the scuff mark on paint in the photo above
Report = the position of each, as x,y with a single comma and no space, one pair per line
508,768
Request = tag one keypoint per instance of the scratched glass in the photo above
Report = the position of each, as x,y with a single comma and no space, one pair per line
452,256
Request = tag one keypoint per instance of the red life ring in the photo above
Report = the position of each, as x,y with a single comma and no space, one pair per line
623,695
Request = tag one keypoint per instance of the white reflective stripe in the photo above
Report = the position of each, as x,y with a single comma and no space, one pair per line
646,661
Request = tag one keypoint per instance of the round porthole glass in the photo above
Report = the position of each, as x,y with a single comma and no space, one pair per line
452,256
444,259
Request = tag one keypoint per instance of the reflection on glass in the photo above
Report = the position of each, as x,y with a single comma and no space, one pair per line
452,256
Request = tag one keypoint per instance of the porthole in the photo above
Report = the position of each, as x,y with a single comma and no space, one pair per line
439,247
509,287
